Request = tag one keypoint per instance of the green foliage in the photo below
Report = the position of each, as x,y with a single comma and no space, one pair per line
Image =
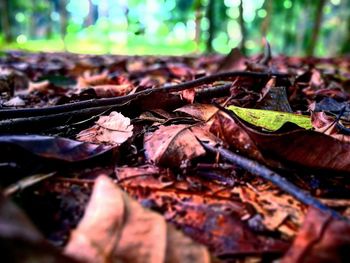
178,27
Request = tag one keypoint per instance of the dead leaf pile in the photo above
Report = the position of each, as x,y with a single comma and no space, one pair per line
185,179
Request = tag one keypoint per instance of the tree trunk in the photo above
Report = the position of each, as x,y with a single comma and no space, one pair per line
266,22
89,20
5,20
63,18
346,44
316,27
49,21
243,28
210,14
198,17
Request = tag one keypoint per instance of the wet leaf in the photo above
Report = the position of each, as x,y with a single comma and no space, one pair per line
55,148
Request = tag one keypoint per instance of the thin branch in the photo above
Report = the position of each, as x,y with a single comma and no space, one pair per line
22,113
260,170
26,182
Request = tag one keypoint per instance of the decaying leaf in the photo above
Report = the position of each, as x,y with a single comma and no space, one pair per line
171,145
321,239
106,91
116,228
304,147
227,129
54,148
270,120
199,111
280,211
113,129
20,241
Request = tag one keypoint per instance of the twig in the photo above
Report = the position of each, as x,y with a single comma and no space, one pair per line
267,53
37,123
22,113
269,175
26,182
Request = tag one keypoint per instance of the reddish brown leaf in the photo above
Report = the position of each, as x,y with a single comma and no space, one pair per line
171,145
320,239
201,112
234,135
116,228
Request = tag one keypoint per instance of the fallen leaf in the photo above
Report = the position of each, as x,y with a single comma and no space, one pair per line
222,232
235,60
113,129
39,86
227,129
171,145
55,148
116,228
189,95
320,239
270,120
106,91
20,241
91,80
199,111
14,102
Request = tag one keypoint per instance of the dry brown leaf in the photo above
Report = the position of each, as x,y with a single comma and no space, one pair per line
116,228
280,211
199,111
39,86
112,129
230,132
171,145
105,91
91,80
189,95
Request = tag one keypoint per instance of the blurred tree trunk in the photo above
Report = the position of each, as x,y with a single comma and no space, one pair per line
346,44
316,27
5,20
243,28
33,22
197,20
210,14
90,18
63,18
267,20
49,20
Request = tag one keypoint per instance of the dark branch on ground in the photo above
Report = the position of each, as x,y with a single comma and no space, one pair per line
262,171
23,113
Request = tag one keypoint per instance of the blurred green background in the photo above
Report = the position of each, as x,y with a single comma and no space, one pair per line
170,27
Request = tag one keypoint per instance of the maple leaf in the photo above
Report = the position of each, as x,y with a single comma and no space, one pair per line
112,129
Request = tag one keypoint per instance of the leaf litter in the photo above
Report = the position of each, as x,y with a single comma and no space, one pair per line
146,123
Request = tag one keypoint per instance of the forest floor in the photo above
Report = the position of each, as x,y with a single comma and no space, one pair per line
174,159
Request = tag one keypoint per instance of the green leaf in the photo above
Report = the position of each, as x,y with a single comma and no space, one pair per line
270,120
